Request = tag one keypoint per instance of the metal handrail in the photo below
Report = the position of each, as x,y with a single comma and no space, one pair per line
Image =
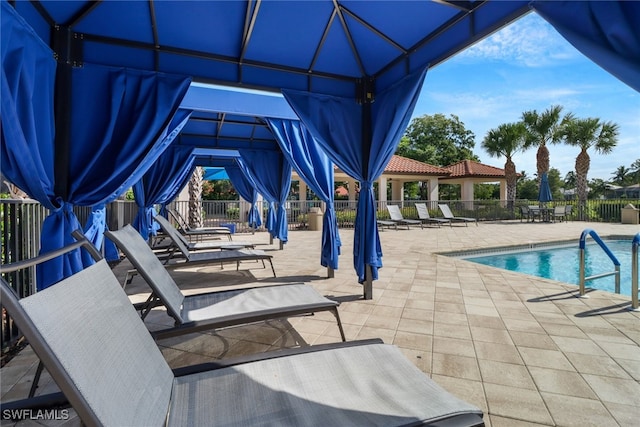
583,238
634,272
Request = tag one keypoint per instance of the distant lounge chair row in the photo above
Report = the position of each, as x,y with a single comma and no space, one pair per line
106,364
424,218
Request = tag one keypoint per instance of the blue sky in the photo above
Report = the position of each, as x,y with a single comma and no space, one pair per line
529,66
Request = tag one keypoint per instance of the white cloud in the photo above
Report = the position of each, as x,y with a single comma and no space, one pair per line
529,42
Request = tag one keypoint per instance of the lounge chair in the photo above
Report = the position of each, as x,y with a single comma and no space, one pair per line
396,216
219,309
174,235
423,215
188,258
382,223
446,212
198,232
105,362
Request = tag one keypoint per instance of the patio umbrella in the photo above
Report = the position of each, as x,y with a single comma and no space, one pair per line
545,191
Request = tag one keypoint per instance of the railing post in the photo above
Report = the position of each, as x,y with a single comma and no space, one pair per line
634,272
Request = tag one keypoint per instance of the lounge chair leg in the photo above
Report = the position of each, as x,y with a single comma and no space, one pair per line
36,379
335,313
272,269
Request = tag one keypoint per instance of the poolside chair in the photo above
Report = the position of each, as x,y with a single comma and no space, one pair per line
187,258
174,235
396,216
214,310
446,212
423,215
103,359
384,223
199,232
525,212
559,213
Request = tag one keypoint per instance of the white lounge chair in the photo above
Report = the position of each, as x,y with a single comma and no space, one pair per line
396,216
423,215
102,357
446,212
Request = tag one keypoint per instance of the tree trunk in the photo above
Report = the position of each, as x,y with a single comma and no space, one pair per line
542,161
195,198
582,169
511,176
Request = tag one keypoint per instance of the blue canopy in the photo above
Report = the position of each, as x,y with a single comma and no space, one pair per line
604,31
341,126
215,174
315,168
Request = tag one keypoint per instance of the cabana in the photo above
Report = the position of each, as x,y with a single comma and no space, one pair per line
91,90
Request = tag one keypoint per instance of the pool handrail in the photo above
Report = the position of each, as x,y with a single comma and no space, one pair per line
634,272
583,238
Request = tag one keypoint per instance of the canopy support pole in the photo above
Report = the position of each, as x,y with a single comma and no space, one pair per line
365,88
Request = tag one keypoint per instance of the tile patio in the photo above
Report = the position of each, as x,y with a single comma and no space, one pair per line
523,349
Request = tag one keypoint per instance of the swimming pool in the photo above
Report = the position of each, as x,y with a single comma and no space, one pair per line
562,263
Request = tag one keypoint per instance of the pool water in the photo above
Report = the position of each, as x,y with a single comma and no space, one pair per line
563,264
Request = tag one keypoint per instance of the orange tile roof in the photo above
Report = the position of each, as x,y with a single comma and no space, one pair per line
469,168
399,164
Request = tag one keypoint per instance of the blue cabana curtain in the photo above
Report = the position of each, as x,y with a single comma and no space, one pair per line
162,182
604,31
337,124
271,173
316,169
118,115
247,190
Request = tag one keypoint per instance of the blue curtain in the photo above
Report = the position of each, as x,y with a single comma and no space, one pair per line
162,182
117,117
271,173
607,32
337,124
316,169
247,190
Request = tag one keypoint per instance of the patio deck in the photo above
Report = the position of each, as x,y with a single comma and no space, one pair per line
523,349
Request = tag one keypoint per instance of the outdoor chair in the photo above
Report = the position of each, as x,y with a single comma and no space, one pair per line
198,232
525,212
423,215
382,223
396,216
186,258
568,210
174,235
220,309
106,364
559,213
446,212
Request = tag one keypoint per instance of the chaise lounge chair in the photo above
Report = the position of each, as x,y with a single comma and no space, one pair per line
106,364
188,258
423,215
396,216
174,236
214,310
446,212
199,232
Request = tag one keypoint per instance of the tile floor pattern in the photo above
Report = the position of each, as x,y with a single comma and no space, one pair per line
523,349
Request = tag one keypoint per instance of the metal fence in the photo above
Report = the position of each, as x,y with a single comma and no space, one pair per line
21,222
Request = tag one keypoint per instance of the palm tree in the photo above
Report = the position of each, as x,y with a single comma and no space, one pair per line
587,133
505,141
621,175
635,171
542,128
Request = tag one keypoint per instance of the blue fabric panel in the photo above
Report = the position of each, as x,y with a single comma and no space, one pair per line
544,194
604,31
316,169
214,174
336,123
162,182
271,173
247,190
27,79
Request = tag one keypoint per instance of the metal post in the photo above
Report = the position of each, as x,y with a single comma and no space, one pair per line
634,272
368,282
582,290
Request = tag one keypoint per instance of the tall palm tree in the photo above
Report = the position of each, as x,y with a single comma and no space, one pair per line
542,129
506,140
588,133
